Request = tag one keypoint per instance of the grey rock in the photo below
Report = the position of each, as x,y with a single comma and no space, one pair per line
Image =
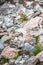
6,64
1,20
27,47
9,25
5,38
2,1
32,61
11,62
41,39
1,47
19,58
15,0
41,2
22,59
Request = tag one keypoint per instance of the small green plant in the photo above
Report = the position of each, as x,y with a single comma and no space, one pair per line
4,60
24,17
37,50
16,56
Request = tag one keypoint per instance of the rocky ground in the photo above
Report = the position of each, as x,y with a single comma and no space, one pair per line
21,32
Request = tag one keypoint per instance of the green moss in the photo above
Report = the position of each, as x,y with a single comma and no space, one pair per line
37,50
24,17
16,56
4,60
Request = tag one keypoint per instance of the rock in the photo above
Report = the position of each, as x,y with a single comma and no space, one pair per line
36,14
33,41
40,56
2,1
32,61
11,29
16,39
6,64
27,61
1,21
11,62
8,52
5,38
27,47
21,59
41,39
8,22
0,57
7,8
21,30
41,3
35,33
41,15
1,47
3,33
29,4
32,24
16,1
41,63
40,44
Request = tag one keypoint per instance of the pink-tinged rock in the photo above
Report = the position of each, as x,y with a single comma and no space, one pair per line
32,23
40,56
8,52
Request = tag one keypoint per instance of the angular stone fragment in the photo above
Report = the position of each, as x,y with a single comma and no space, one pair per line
28,48
40,56
5,38
33,23
1,47
32,61
3,33
6,64
9,52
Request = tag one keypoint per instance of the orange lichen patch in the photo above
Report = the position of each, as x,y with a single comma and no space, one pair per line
28,37
19,14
